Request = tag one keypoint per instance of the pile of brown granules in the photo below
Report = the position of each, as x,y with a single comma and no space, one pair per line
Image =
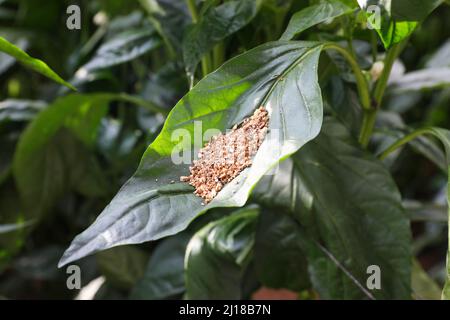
226,155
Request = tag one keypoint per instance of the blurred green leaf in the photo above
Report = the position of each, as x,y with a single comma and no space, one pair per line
214,26
170,19
123,266
279,259
314,15
164,274
217,255
166,86
419,211
343,103
413,10
48,159
54,153
425,79
30,62
62,164
121,48
39,265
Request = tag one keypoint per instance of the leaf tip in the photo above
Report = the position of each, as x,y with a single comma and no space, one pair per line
65,259
70,86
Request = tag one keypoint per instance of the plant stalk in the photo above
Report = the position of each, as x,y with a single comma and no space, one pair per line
378,94
374,45
361,83
207,64
368,124
381,85
193,10
218,55
402,141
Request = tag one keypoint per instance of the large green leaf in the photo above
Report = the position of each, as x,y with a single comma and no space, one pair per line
357,210
279,258
351,213
423,287
30,62
399,18
413,10
282,76
314,15
444,136
217,255
122,266
217,24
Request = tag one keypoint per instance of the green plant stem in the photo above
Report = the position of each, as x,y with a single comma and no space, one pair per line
218,55
348,34
206,59
381,85
374,45
378,94
193,10
93,40
402,141
368,124
351,47
207,66
361,83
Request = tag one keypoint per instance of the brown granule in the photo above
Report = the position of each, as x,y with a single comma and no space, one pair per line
226,155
